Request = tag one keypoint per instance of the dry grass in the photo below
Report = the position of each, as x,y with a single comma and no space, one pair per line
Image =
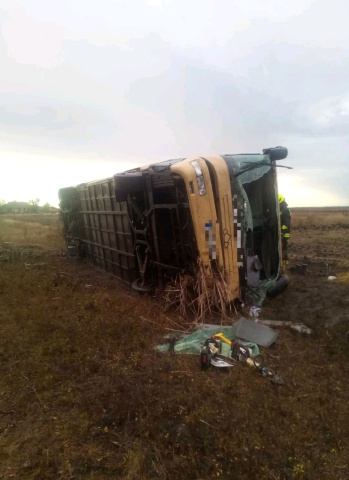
84,395
194,297
317,218
37,229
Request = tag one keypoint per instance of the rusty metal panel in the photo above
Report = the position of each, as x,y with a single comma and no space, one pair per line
107,235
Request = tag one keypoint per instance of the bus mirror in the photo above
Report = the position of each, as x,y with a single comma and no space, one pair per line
276,153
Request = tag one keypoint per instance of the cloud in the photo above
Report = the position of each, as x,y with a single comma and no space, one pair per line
51,126
331,115
156,79
43,117
314,187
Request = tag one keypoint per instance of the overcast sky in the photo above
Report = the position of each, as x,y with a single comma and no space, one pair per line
89,89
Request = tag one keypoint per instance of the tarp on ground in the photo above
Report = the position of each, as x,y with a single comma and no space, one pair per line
193,343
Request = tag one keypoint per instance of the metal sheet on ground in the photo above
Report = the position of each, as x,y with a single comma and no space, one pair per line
254,332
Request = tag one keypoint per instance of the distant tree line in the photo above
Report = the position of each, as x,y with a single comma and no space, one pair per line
32,206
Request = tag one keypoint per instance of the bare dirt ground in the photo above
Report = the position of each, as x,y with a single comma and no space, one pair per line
83,393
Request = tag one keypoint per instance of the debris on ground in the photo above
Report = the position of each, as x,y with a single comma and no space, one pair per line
254,332
222,362
298,327
220,347
240,351
193,343
255,311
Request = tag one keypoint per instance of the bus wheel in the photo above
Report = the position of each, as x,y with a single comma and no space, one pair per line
279,287
140,285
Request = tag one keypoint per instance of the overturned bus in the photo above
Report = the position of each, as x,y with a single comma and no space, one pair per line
151,224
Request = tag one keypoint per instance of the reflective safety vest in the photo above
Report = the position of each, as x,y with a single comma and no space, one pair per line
285,218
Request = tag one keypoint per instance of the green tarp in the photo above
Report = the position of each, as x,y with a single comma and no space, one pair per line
193,343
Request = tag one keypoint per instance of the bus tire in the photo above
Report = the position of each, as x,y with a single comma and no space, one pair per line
140,286
279,287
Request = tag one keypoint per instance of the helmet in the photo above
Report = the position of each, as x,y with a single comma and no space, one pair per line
281,198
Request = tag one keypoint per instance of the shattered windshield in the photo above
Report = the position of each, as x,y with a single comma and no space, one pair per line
248,168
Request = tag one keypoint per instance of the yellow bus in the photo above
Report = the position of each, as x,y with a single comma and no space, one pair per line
148,225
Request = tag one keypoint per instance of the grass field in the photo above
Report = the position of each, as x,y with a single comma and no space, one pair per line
44,229
319,218
84,394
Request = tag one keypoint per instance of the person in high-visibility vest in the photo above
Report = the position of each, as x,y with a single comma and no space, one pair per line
285,219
